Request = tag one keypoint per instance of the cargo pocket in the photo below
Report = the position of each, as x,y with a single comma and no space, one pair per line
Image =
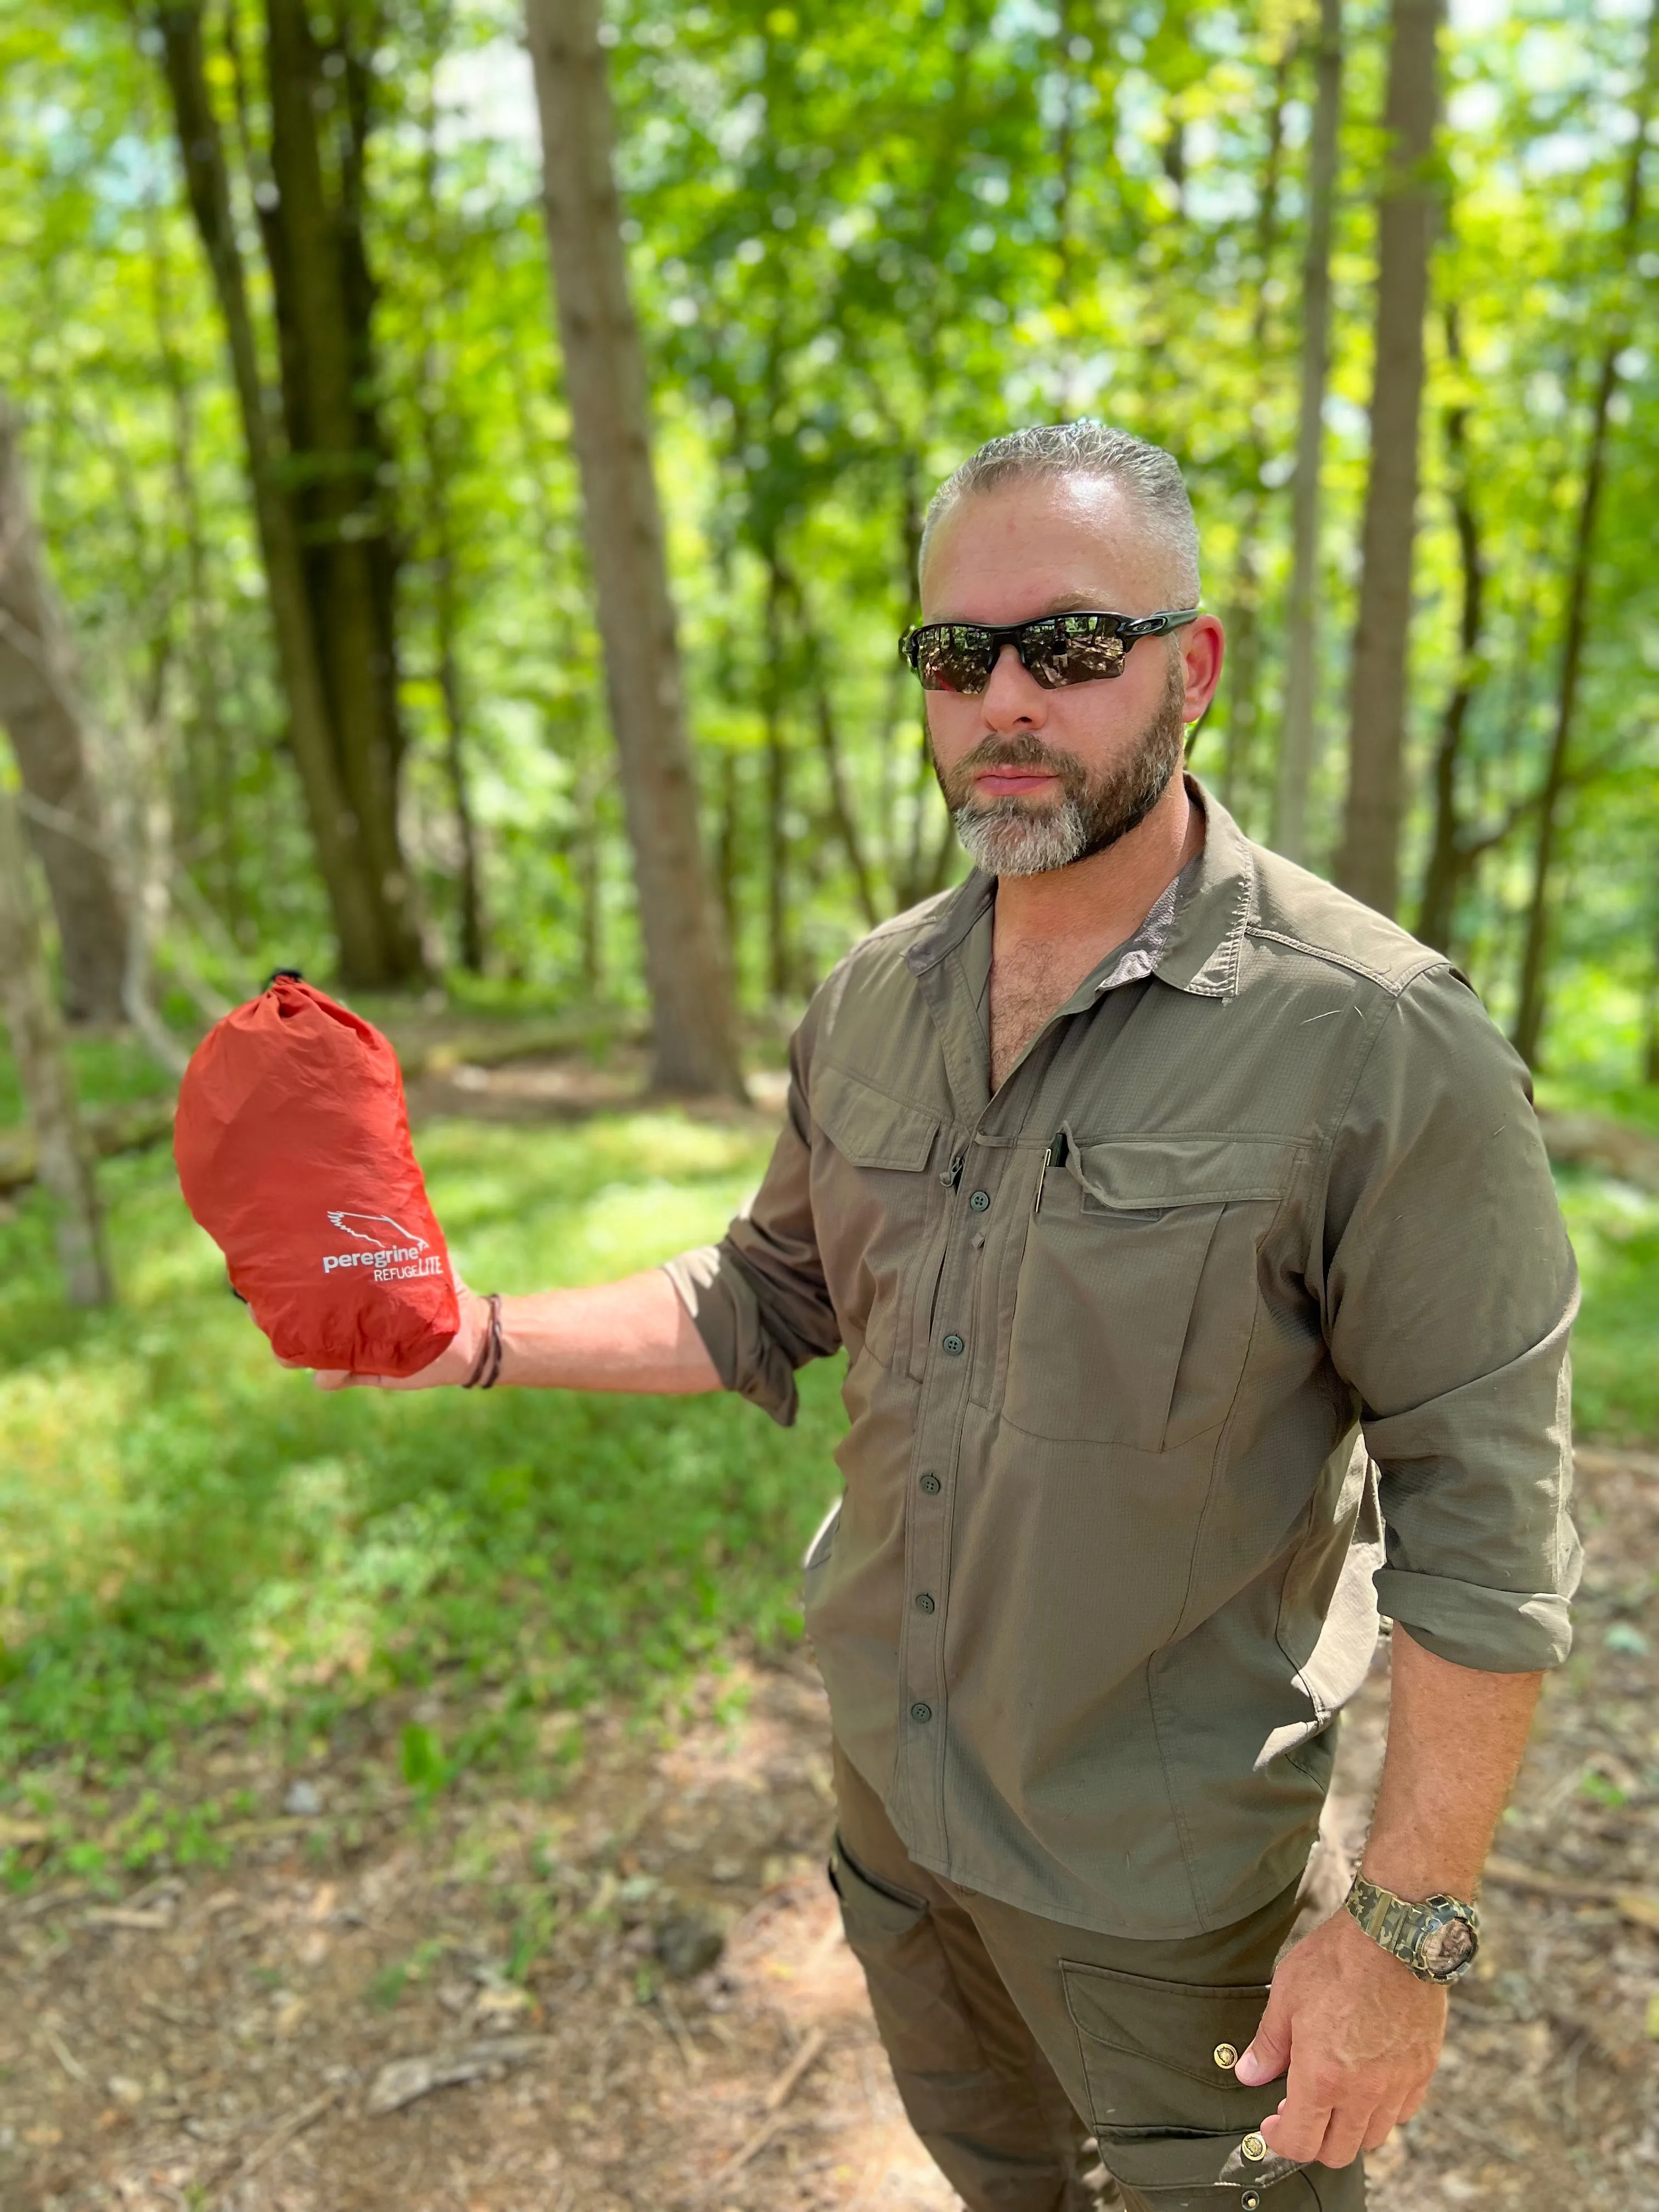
1149,2051
1209,2174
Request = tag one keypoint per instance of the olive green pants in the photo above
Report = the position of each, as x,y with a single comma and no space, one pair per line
1013,2039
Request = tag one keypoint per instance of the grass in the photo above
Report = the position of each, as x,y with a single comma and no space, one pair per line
188,1532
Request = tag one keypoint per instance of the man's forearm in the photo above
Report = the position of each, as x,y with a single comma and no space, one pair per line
632,1335
1455,1738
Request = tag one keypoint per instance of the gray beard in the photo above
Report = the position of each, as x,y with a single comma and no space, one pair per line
1028,837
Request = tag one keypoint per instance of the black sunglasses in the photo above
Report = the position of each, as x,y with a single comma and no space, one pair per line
1056,649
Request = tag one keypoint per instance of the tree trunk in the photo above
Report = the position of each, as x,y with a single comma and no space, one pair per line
1452,854
694,1032
1299,749
63,1153
1529,1010
780,966
1244,623
327,554
434,412
41,708
1369,862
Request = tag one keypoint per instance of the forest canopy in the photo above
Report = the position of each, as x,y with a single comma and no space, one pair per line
857,243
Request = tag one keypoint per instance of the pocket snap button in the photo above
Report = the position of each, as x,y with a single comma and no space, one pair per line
1250,2201
1225,2055
1255,2148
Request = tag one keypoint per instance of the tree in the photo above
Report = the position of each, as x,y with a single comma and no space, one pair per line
65,1157
329,556
1529,1014
1368,864
41,709
1298,742
695,1036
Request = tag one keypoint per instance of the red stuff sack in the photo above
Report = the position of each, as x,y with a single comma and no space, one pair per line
293,1149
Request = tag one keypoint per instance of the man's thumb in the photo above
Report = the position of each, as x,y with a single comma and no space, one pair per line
1269,2054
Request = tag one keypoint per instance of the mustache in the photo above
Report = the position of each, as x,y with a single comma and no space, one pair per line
1024,751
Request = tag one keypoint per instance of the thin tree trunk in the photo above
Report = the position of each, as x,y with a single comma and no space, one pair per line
431,398
1450,853
1245,627
779,964
41,708
367,949
1368,864
1529,1010
591,877
65,1155
1299,749
694,1029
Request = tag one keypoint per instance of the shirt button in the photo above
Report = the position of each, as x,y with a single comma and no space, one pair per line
930,1483
924,1603
979,1200
954,1346
921,1712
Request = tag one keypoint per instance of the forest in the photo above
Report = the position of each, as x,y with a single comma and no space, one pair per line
462,468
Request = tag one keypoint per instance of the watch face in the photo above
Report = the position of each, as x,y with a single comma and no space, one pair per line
1447,1949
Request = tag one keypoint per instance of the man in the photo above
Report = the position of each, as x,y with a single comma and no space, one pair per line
1165,1202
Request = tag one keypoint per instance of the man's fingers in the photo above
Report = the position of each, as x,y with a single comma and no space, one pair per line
336,1378
1269,2053
1296,2133
1346,2137
1385,2120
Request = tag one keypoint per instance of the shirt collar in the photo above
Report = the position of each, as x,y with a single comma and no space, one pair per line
1191,937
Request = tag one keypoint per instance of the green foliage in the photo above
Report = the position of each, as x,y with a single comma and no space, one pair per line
187,1530
860,242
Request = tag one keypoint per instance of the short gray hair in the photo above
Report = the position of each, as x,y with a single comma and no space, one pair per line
1145,473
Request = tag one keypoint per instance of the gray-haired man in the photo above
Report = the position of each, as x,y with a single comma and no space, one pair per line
1167,1204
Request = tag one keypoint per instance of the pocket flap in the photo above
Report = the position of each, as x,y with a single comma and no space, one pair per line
1177,2023
872,1129
868,1903
1194,2165
1137,1176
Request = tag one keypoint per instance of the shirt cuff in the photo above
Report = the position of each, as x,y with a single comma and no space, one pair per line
1495,1631
726,1316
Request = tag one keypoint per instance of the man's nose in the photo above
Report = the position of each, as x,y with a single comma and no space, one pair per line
1013,699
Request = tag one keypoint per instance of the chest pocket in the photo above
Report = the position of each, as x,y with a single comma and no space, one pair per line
1137,1291
877,1209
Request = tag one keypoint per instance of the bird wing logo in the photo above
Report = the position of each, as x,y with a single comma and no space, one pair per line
373,1228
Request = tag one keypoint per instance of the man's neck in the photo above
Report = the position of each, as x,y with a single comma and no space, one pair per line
1097,903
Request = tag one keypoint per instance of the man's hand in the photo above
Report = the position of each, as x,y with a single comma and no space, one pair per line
453,1364
1362,2038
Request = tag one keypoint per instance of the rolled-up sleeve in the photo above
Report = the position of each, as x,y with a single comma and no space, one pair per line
758,1298
1450,1293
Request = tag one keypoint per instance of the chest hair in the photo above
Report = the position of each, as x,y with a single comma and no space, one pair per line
1030,982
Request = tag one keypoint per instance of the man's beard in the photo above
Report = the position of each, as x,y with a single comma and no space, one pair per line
1028,837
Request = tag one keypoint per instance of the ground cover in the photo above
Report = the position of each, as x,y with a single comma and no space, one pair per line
338,1732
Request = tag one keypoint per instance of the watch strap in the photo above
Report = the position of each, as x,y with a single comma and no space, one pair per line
1399,1925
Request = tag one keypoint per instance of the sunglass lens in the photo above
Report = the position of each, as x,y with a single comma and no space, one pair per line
1066,651
953,657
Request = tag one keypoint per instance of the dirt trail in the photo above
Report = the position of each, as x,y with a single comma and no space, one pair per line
242,2037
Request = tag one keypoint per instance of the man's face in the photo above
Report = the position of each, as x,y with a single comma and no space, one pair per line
1034,779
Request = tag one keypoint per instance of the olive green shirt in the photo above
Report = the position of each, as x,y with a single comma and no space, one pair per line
1259,1226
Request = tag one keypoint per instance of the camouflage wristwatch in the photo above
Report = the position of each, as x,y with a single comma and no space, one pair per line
1437,1939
